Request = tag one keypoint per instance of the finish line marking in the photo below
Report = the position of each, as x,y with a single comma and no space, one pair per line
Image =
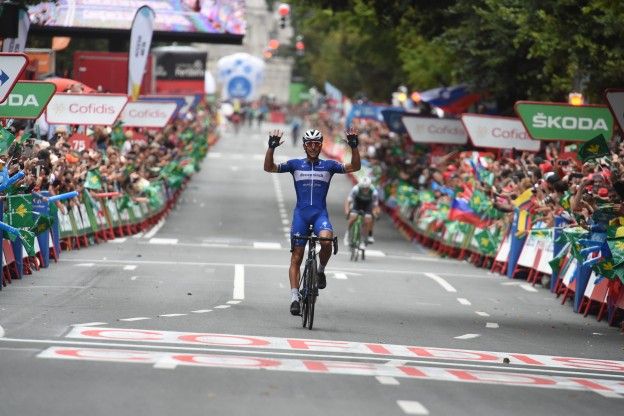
468,336
412,408
239,282
171,360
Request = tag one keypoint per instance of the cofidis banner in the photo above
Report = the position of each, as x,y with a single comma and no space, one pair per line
147,114
498,132
140,42
96,109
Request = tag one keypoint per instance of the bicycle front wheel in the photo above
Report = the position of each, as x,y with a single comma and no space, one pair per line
312,293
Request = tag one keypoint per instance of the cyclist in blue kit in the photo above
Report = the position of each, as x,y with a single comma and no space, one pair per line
311,176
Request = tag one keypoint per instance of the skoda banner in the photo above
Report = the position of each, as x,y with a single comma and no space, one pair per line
434,130
565,122
615,99
152,114
498,132
27,99
140,42
97,109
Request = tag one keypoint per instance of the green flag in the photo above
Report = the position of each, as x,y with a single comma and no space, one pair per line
117,135
93,180
19,214
28,241
123,202
556,263
594,149
617,251
486,242
42,224
6,138
615,231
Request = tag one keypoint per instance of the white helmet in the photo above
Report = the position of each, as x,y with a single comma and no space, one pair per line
312,136
365,182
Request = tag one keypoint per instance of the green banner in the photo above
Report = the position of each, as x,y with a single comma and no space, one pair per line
27,99
565,122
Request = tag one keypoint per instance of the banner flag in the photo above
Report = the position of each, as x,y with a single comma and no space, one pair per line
18,44
140,42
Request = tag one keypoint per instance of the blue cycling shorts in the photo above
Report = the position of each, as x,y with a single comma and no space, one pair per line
303,218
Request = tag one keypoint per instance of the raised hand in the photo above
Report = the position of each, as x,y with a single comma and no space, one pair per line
352,137
275,138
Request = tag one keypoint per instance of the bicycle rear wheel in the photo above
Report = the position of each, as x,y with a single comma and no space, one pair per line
303,292
355,240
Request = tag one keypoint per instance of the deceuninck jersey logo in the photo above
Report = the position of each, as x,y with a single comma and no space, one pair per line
306,175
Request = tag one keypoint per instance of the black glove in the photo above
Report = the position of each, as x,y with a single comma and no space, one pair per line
274,141
353,140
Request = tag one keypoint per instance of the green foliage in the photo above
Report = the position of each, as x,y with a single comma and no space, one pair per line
507,49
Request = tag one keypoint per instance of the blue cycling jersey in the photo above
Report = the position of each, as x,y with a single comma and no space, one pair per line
311,180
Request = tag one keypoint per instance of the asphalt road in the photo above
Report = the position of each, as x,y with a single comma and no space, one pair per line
192,318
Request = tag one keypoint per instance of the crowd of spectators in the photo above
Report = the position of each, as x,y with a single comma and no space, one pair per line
126,160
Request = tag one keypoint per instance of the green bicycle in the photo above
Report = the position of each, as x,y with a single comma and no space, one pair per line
355,237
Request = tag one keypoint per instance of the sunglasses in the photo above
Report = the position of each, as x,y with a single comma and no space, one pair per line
313,143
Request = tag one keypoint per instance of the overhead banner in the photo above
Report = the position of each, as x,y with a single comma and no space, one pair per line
19,43
27,100
140,42
83,109
11,67
498,132
434,130
147,114
565,122
615,99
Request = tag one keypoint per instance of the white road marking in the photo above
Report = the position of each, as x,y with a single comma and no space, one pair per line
375,253
169,315
164,241
239,282
464,301
340,276
482,313
165,365
85,264
1,332
130,267
388,381
202,311
222,307
134,277
286,229
233,302
528,288
492,325
446,285
140,318
285,221
412,408
234,168
119,240
267,245
511,283
91,324
467,336
609,394
151,233
138,235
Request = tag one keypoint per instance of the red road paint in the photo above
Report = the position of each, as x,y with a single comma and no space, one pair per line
315,345
343,367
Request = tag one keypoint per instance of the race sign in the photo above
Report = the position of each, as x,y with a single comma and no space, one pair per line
565,122
498,132
80,142
615,99
147,114
93,109
11,67
434,130
28,99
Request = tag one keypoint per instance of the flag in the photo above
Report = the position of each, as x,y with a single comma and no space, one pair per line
594,149
556,263
28,241
524,221
93,180
123,202
486,242
6,139
333,92
615,231
23,25
42,224
461,211
20,211
524,200
617,251
140,42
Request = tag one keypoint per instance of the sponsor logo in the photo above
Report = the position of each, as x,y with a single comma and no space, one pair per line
568,122
147,114
19,100
510,134
432,129
91,109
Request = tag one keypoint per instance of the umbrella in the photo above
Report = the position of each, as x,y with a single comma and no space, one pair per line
63,84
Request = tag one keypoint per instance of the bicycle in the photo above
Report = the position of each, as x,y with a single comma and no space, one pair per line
308,281
355,237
